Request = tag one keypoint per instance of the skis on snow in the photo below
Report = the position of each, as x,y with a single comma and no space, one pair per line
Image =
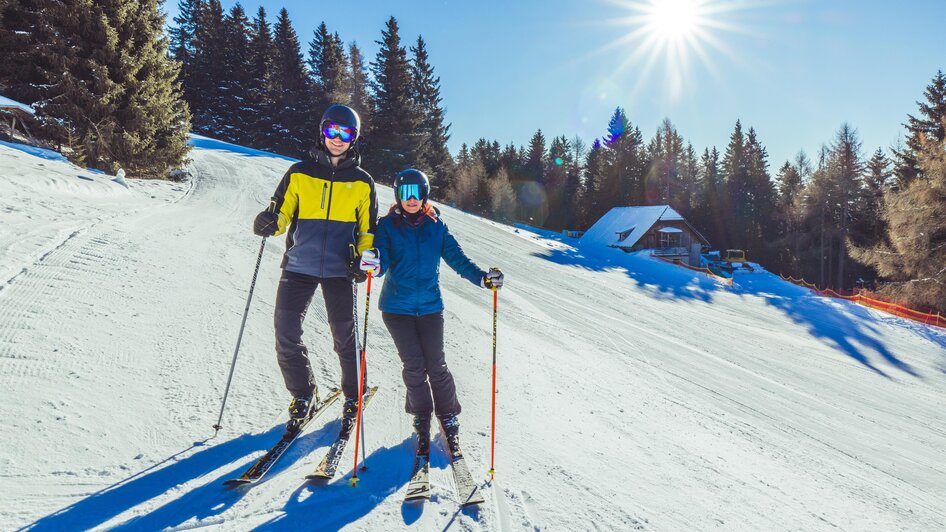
329,465
419,486
258,469
468,492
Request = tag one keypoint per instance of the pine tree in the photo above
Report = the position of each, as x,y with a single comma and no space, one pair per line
790,189
558,164
117,95
395,140
913,255
688,179
572,205
735,177
262,54
846,170
434,155
34,55
182,43
360,97
708,209
665,154
533,204
876,184
759,229
209,71
236,114
928,126
328,68
624,164
292,127
819,202
591,187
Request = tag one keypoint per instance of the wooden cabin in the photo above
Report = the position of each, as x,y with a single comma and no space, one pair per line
656,227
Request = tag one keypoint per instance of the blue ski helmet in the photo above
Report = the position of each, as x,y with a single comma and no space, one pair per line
411,183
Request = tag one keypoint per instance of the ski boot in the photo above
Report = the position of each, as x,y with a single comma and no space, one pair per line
349,413
451,431
422,428
299,410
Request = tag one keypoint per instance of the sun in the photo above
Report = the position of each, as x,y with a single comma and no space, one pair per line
675,36
674,19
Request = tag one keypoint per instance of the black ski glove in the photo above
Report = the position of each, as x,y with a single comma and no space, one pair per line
493,279
266,224
355,273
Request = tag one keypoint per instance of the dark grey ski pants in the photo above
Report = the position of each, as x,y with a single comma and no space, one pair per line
419,342
292,300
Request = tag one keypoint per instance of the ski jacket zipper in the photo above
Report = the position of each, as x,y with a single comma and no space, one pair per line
331,189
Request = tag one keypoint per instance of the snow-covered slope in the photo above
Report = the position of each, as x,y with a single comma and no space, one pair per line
633,394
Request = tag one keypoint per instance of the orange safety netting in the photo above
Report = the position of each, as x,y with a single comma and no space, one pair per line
874,302
707,271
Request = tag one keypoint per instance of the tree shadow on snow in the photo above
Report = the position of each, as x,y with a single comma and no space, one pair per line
332,506
850,328
210,499
659,279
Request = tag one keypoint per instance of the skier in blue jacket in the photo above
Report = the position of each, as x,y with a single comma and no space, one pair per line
409,243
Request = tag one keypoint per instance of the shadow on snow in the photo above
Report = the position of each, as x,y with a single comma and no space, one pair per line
847,326
659,279
211,498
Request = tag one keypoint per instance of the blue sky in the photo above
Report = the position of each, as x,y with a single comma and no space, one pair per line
793,69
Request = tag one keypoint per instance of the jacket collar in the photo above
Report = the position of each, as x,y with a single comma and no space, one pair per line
322,158
427,212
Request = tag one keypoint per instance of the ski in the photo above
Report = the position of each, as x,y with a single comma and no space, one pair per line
258,469
468,491
329,464
419,486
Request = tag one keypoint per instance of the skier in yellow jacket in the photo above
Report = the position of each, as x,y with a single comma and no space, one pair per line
328,208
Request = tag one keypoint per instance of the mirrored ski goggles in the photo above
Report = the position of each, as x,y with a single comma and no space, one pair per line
333,130
406,192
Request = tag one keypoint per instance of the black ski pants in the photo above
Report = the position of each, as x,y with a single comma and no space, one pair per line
419,342
293,297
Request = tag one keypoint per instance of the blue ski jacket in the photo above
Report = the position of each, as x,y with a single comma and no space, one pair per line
410,256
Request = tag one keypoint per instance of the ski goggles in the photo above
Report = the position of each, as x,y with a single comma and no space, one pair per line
415,191
333,130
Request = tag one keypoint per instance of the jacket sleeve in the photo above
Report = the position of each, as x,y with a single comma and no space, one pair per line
287,200
367,219
453,254
382,241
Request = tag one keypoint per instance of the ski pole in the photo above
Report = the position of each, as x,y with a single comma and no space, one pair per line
246,312
354,299
361,382
492,459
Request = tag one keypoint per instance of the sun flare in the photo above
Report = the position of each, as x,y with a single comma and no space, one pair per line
673,35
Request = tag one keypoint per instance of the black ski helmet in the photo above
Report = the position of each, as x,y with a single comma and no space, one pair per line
343,116
411,176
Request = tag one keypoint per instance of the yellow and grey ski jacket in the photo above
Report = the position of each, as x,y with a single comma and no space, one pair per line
322,209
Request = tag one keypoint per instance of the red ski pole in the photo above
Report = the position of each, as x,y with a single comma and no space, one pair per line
492,460
361,381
